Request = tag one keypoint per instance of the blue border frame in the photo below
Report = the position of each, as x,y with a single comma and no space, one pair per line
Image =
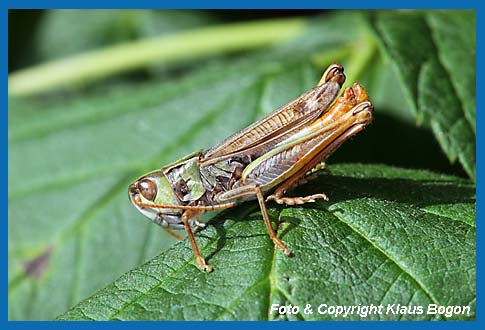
240,4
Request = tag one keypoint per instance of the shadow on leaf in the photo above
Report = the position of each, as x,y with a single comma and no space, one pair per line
408,191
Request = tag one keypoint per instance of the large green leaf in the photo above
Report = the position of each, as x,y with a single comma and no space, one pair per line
434,52
388,236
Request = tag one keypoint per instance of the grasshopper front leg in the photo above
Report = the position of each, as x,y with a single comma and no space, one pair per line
190,211
186,216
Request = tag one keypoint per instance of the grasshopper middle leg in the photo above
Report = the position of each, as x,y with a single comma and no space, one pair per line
267,222
255,190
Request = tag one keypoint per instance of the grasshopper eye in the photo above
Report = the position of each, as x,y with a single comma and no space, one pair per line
147,189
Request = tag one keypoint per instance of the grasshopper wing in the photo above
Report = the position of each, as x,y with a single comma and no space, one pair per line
297,155
284,120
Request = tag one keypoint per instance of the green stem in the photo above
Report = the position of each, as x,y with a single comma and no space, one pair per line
364,50
333,55
357,56
173,49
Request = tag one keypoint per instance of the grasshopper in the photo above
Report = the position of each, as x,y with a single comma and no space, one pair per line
261,162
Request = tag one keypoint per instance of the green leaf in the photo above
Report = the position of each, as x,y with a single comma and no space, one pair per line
434,52
387,236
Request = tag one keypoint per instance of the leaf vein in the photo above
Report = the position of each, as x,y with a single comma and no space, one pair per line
418,283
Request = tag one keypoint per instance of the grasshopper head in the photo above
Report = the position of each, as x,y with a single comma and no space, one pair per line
150,191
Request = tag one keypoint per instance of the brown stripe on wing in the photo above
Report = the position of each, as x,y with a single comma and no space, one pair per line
299,158
285,119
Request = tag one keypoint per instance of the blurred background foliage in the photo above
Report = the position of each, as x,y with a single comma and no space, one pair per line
39,36
283,57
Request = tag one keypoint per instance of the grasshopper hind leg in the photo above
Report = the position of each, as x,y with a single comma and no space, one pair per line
279,197
296,200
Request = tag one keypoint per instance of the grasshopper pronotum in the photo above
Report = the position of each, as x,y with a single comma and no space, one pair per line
261,162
